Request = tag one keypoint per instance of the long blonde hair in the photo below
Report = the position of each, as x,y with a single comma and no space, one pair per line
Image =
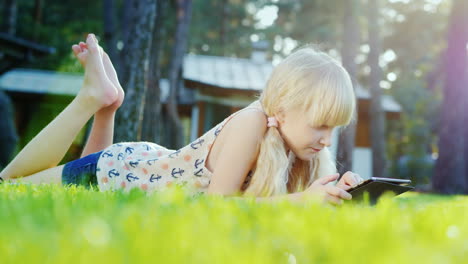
317,84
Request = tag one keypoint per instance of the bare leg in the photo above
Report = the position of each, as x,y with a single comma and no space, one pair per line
50,145
102,130
52,175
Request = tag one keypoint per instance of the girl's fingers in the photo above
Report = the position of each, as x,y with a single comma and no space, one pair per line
345,187
333,200
338,192
326,179
352,179
359,178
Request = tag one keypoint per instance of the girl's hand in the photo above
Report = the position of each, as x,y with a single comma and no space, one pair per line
349,180
328,193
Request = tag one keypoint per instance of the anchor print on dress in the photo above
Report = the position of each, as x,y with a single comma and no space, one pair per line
107,154
151,161
155,178
174,153
148,148
133,164
113,173
120,156
198,172
129,150
175,172
217,131
130,177
197,144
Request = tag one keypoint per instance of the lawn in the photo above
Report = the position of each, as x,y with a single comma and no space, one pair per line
53,224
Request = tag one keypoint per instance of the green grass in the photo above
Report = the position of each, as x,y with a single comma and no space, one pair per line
52,224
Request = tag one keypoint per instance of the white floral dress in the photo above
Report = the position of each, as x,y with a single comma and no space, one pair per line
150,167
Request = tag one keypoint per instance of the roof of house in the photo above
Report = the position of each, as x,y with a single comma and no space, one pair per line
226,72
388,102
246,74
222,72
41,82
60,83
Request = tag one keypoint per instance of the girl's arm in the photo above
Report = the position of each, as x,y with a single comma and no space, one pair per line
320,191
244,133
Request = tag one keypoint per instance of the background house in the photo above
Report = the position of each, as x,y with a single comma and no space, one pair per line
14,51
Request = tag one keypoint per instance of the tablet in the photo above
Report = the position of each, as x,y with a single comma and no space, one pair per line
376,187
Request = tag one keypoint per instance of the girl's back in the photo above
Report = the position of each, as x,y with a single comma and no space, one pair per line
150,167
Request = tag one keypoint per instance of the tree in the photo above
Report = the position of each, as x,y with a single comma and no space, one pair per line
134,71
151,130
377,116
225,34
451,175
9,136
184,11
349,50
9,17
109,29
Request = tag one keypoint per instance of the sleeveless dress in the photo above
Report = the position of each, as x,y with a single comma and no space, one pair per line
151,167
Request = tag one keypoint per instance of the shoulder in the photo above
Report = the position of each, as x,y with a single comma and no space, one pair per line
242,138
250,121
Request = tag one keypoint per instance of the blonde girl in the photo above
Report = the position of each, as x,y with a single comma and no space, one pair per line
275,148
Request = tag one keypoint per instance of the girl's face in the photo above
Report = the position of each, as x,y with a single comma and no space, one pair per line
303,139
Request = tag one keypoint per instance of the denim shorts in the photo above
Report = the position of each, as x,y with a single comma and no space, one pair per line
81,171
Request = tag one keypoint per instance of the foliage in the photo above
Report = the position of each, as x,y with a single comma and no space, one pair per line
413,138
61,26
74,225
225,34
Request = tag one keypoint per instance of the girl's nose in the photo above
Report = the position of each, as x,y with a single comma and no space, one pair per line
326,139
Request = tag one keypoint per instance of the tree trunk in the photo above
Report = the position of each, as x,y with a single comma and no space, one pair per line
124,36
9,17
37,18
377,116
9,136
451,172
350,47
151,130
135,69
222,27
184,11
109,28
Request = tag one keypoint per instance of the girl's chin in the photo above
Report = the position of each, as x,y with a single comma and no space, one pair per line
307,156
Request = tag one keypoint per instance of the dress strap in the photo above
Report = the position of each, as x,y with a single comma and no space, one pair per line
242,110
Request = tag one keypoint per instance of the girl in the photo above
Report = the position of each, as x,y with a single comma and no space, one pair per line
276,148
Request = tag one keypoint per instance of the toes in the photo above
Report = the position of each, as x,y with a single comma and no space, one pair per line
83,46
92,43
82,55
76,49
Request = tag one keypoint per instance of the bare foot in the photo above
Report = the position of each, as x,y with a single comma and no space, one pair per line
97,90
80,52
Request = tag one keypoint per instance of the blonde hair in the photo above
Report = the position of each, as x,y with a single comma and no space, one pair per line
317,84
